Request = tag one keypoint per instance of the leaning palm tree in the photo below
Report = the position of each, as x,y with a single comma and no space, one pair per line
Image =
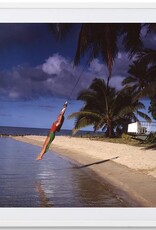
106,109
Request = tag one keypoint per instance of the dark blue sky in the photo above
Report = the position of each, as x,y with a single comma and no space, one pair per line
32,43
37,74
26,100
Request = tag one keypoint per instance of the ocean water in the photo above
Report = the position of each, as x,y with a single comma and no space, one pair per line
6,130
51,182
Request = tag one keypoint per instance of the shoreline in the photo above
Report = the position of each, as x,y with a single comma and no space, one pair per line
129,171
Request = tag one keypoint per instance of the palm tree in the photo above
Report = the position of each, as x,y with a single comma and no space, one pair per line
142,77
102,40
137,78
106,109
147,57
152,107
142,74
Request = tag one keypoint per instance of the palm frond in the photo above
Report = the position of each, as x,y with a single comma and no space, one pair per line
144,116
60,30
149,90
129,79
132,38
86,118
81,123
146,57
83,42
87,96
151,27
85,113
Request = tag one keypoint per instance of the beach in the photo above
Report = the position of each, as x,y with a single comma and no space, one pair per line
130,170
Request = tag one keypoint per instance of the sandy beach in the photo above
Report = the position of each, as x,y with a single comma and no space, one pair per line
130,170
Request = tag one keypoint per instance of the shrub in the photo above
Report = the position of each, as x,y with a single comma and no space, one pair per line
126,137
151,139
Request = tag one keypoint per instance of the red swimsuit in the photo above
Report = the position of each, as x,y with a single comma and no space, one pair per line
53,128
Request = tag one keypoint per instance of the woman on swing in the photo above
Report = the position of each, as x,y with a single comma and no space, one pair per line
56,126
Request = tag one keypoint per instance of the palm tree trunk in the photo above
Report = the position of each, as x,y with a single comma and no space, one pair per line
109,77
110,130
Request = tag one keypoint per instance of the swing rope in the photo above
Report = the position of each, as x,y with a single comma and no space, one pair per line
69,97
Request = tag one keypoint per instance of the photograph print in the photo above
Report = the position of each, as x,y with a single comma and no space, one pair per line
77,115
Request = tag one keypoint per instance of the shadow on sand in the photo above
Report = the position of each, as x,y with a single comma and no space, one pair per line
150,147
87,165
95,163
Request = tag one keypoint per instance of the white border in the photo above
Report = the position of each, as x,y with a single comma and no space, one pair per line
38,11
77,15
77,217
76,4
77,12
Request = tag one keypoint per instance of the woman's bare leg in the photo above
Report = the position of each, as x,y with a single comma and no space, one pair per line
39,157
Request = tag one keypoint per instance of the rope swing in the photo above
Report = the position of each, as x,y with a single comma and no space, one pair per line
56,126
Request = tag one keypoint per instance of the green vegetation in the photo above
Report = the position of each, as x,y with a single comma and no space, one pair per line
125,139
142,78
149,142
151,139
107,109
152,107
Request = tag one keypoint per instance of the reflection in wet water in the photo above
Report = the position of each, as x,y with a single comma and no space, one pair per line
52,182
44,201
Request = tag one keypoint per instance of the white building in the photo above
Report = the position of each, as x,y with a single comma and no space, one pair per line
136,128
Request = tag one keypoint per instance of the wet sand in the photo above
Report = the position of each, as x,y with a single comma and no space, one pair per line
130,170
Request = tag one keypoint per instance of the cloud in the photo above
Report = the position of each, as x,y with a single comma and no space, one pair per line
26,82
96,66
116,82
54,65
22,82
121,65
57,77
